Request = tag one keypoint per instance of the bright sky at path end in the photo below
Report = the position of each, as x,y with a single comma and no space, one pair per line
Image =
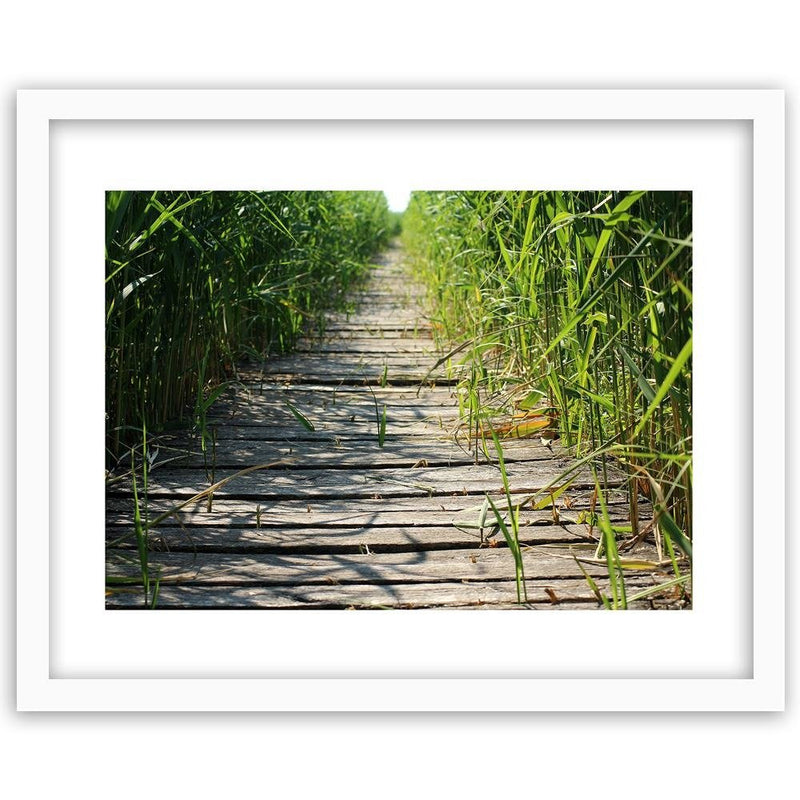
397,198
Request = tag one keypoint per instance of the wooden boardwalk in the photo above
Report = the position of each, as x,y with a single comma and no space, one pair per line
341,519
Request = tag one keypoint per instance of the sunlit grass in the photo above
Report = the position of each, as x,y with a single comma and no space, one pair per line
195,281
580,305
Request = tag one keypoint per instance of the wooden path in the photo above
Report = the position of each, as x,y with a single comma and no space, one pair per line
341,519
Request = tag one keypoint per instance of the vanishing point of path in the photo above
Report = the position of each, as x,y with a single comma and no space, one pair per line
339,521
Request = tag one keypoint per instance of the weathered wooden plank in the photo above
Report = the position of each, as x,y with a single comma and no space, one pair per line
342,422
365,538
280,414
352,369
402,330
436,530
337,512
486,564
275,410
392,286
177,444
566,594
411,324
355,419
313,362
339,453
369,337
247,427
332,394
373,346
285,483
355,375
397,318
379,308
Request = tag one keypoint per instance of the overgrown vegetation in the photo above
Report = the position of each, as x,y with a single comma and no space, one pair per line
569,315
198,280
578,304
395,223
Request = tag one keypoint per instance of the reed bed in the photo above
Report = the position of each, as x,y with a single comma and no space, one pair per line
198,280
577,307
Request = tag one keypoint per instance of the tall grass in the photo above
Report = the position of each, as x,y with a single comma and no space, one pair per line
198,280
581,302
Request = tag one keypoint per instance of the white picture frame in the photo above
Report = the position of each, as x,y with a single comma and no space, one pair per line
727,653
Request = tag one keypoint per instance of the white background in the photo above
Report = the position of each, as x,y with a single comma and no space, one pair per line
411,45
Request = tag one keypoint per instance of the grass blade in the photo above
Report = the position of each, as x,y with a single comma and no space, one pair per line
666,384
300,417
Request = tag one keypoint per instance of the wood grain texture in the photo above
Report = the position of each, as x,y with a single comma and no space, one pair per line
413,566
340,513
499,595
337,452
358,538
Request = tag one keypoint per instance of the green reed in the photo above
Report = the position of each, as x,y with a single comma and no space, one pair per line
195,281
584,300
